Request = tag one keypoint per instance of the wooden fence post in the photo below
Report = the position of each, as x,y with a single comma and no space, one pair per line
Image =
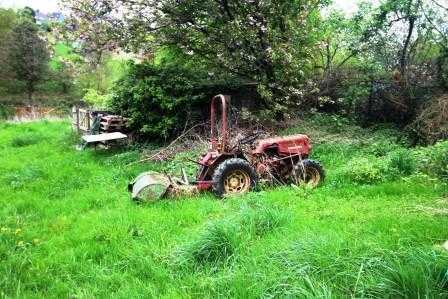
88,120
77,119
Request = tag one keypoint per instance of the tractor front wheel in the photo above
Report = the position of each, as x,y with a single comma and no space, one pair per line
233,176
309,172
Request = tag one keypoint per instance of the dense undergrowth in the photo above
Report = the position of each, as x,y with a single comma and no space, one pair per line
374,229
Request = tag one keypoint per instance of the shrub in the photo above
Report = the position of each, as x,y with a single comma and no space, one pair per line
384,104
433,160
365,171
382,146
159,99
155,99
402,162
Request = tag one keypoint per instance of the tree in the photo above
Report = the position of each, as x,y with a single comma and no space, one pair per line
7,20
267,42
28,53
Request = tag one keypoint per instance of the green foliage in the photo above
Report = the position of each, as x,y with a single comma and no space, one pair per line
161,99
155,99
382,146
94,99
433,160
403,162
380,64
7,19
5,112
259,42
365,171
101,77
62,70
353,94
29,63
30,71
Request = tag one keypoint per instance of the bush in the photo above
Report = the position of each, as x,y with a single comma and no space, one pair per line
160,99
402,162
156,100
384,142
387,103
381,148
433,160
365,171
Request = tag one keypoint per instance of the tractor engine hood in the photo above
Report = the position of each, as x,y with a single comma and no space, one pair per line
290,145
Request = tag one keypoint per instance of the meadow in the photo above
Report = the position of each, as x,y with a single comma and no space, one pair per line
375,228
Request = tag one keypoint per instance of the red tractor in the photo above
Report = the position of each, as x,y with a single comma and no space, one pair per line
231,169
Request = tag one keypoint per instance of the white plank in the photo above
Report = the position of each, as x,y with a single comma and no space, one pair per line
103,137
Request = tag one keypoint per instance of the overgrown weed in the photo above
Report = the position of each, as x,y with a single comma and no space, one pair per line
215,246
25,140
219,241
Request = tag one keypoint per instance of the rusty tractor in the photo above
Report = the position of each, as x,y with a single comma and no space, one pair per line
228,169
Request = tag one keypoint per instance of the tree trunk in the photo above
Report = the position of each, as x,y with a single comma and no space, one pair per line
404,53
412,18
30,91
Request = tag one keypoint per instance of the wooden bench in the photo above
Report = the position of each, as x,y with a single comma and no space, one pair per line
101,138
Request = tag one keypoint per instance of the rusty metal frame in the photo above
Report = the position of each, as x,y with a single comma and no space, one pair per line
219,145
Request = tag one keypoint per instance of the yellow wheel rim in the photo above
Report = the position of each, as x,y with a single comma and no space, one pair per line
237,181
312,177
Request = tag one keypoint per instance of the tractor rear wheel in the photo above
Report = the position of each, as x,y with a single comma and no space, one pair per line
309,172
234,176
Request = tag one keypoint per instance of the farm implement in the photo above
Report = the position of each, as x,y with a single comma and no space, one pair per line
237,168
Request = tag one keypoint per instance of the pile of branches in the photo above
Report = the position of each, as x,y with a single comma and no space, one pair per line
431,124
189,139
388,102
197,139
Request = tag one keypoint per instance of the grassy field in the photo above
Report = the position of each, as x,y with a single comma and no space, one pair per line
69,229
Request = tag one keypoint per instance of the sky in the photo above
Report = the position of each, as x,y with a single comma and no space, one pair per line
42,5
47,6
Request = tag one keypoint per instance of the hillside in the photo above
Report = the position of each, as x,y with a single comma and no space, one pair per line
69,229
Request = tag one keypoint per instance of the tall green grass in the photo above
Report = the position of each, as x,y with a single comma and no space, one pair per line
69,229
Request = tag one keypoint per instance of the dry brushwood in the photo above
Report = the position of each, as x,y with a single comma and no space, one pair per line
193,139
432,122
184,141
190,139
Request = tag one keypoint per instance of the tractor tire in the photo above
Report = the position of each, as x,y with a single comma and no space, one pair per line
233,176
310,172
